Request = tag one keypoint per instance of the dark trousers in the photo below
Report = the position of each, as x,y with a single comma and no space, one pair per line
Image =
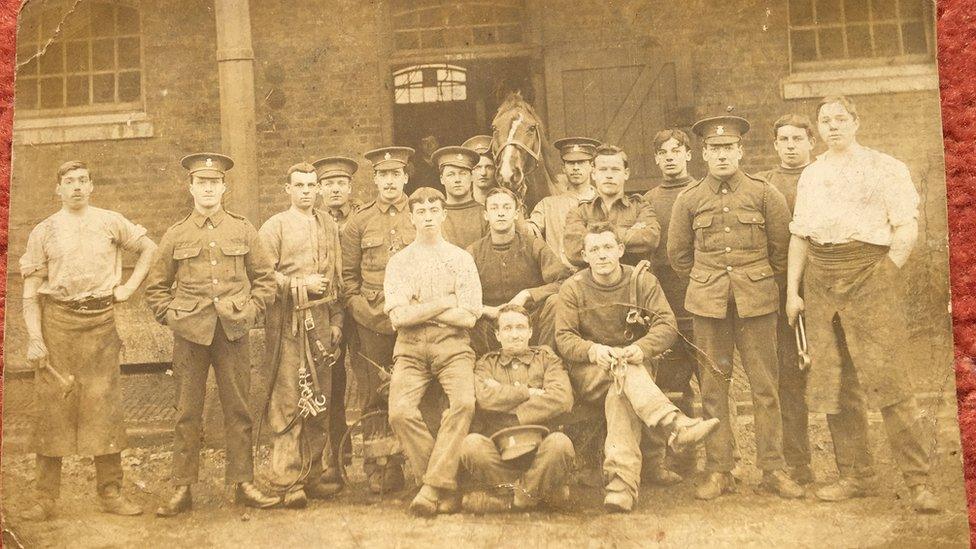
792,397
108,473
755,338
232,369
337,401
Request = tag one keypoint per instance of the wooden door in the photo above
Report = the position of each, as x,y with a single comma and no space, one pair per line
621,94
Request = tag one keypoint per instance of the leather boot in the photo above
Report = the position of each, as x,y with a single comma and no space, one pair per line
386,478
715,485
295,499
181,501
618,498
689,432
802,475
846,488
659,475
779,483
250,495
112,501
424,504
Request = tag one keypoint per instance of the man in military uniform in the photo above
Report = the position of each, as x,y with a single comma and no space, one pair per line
72,271
514,268
728,233
633,217
548,218
210,281
612,320
465,217
517,385
335,176
302,331
854,227
672,152
373,234
433,297
793,140
484,171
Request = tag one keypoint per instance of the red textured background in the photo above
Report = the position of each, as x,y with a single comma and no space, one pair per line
957,69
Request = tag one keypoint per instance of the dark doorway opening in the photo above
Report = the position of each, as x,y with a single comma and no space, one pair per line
440,104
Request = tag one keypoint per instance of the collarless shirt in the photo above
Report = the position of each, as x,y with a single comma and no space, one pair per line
785,181
421,273
465,223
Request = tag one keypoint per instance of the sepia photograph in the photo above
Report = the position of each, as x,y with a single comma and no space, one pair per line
479,273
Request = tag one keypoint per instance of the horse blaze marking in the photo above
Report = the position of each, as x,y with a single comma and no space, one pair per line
507,157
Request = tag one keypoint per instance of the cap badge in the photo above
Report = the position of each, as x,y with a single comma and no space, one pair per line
576,148
387,156
720,130
209,162
460,156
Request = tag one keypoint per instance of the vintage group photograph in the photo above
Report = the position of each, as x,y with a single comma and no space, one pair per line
479,273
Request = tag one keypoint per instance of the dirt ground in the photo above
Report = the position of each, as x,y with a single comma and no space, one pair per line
664,517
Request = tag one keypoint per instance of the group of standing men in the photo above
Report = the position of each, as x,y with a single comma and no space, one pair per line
516,316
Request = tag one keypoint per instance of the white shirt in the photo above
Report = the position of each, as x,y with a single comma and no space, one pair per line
858,195
421,273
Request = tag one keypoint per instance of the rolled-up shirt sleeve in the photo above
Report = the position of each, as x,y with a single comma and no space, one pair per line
126,233
34,260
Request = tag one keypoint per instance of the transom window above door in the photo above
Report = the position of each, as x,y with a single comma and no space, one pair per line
449,24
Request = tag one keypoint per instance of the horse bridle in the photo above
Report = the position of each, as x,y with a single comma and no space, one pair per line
512,142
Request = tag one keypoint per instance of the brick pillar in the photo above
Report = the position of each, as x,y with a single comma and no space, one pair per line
235,61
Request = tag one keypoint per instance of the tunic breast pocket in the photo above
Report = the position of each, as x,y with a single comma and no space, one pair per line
185,257
375,253
754,229
705,238
232,266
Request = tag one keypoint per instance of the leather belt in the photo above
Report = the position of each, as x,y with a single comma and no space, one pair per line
88,303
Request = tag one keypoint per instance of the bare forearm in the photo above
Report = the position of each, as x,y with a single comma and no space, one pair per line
141,268
796,264
32,308
903,242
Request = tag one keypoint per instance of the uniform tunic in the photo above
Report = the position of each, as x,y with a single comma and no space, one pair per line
432,351
548,218
342,214
731,237
589,312
465,223
299,245
507,403
210,280
630,214
79,257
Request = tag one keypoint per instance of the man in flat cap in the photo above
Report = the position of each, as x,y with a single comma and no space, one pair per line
548,218
517,385
630,214
335,176
433,297
465,217
484,171
729,234
515,268
72,271
380,229
793,140
855,224
303,328
210,281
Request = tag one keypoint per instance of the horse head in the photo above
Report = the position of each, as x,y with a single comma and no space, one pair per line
519,147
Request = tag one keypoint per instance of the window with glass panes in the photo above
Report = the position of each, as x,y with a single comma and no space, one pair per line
79,57
860,32
453,24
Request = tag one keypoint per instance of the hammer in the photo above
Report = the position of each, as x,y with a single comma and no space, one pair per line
67,383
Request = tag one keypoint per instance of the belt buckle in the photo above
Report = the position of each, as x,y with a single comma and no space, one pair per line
309,323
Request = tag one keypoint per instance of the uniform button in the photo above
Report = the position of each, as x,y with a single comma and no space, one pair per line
516,383
727,249
216,299
515,366
212,244
392,231
728,229
725,209
392,213
729,268
754,219
210,227
725,191
215,281
213,261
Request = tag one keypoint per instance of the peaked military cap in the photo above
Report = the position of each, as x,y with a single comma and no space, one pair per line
207,164
481,144
461,157
389,158
332,166
515,442
721,130
576,148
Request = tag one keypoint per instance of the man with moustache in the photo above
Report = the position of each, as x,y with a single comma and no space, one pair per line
729,235
210,281
548,218
335,177
854,227
793,140
433,297
373,234
612,321
465,217
631,215
484,172
514,268
72,271
303,244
